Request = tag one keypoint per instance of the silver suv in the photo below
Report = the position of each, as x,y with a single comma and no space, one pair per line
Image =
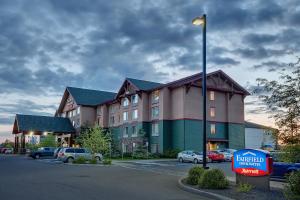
70,154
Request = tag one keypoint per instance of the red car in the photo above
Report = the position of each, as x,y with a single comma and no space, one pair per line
215,156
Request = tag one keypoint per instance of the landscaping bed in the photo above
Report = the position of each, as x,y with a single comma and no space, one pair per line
232,192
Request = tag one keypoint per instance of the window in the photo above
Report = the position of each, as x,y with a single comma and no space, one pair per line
69,114
79,151
212,128
69,150
99,110
154,148
155,96
134,131
155,131
125,132
125,116
78,110
212,95
135,114
134,99
212,112
155,112
74,112
125,102
112,120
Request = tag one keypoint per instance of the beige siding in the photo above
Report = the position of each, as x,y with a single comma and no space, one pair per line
87,116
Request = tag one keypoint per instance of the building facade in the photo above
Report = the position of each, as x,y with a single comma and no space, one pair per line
162,116
168,115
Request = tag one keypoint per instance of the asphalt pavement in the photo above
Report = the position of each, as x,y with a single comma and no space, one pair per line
23,178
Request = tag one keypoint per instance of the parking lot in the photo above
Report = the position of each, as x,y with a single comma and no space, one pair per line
45,179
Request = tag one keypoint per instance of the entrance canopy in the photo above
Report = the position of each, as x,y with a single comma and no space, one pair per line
39,124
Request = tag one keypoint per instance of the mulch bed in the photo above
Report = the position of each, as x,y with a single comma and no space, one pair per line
254,194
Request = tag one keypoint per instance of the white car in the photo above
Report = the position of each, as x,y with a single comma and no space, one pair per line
190,156
9,151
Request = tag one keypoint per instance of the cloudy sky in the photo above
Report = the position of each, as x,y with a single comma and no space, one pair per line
48,45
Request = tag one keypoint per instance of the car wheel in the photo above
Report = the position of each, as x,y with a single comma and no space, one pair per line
180,160
195,161
70,160
37,156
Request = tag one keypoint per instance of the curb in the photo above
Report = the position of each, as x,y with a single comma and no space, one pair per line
201,192
89,165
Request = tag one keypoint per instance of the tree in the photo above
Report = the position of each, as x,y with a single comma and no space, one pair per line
283,101
96,140
48,141
7,144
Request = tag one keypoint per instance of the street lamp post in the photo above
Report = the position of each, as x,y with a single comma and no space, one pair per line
201,21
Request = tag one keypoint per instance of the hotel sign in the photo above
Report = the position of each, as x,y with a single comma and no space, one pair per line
250,162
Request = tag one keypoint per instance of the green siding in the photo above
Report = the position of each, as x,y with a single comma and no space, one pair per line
178,134
193,135
236,136
221,131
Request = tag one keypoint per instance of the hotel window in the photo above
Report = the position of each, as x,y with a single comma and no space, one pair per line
112,120
69,114
155,131
134,131
134,99
212,95
155,112
73,123
155,96
212,112
135,114
212,128
74,112
125,116
125,102
125,132
154,148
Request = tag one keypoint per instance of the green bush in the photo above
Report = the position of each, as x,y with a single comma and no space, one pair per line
194,175
171,153
106,162
127,155
93,161
292,190
213,179
244,187
291,153
79,160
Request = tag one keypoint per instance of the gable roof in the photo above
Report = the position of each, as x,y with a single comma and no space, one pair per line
87,97
144,85
38,123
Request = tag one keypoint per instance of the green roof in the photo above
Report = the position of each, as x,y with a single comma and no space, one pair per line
43,124
89,97
144,85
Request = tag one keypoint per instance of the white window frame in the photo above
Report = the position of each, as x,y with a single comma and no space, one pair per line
135,99
155,96
155,129
125,116
134,134
152,112
135,114
212,112
125,132
212,95
125,102
213,129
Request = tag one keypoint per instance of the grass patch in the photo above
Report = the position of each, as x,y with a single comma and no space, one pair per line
79,160
106,162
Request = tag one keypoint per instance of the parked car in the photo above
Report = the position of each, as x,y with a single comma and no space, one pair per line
190,156
70,154
227,155
215,156
280,168
2,150
9,151
56,151
42,152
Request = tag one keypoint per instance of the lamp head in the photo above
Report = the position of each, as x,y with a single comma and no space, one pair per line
198,21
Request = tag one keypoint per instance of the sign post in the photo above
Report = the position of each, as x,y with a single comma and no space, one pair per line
252,167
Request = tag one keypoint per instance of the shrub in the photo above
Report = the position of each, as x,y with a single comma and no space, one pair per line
244,187
79,160
127,155
106,162
291,153
171,153
194,175
292,190
93,161
213,179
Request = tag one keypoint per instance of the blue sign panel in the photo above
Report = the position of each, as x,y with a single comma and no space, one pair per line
251,162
